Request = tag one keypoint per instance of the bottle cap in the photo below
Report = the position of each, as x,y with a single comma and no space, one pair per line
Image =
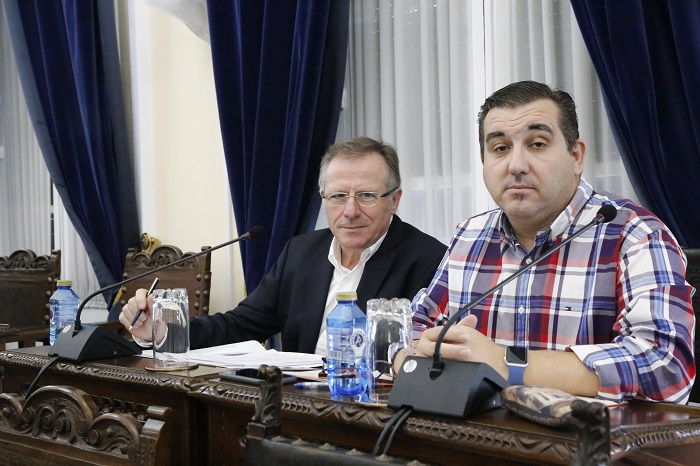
64,283
346,296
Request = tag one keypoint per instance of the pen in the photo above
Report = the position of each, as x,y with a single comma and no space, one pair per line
148,293
311,385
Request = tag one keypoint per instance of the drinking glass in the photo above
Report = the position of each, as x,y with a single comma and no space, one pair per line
171,329
389,329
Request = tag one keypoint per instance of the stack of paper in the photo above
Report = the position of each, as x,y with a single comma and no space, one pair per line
249,355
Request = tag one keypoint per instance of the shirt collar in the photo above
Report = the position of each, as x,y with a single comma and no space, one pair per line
334,251
583,194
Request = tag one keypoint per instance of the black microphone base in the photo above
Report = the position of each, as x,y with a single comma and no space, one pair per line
92,342
463,388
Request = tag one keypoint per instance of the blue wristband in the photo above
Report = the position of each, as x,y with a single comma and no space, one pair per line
515,374
516,360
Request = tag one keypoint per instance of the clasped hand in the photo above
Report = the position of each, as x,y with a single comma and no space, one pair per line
463,342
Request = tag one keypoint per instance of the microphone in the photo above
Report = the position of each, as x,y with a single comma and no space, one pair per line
459,388
88,342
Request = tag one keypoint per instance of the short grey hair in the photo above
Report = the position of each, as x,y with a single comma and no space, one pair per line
357,148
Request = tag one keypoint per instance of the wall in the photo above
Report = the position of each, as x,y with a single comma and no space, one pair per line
181,171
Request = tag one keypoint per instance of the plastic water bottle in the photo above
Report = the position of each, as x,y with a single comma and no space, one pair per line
347,336
63,306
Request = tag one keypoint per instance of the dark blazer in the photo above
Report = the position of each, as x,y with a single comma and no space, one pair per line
291,297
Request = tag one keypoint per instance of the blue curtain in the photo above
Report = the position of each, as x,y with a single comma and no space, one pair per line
67,57
279,68
647,57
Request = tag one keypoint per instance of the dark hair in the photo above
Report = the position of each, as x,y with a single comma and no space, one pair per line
360,147
525,92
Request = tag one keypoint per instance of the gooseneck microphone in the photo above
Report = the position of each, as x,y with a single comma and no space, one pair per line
78,342
458,388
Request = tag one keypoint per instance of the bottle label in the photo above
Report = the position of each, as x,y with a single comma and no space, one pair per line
357,341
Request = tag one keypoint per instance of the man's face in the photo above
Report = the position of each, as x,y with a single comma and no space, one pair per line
527,168
354,226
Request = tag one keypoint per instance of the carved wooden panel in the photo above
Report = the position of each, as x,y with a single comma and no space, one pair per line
423,429
503,436
27,281
219,412
158,381
63,425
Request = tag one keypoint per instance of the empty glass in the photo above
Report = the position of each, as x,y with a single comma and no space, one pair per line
389,330
171,329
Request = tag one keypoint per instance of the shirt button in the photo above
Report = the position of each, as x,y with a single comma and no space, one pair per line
528,260
521,309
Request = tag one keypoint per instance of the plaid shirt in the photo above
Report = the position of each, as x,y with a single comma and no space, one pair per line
616,295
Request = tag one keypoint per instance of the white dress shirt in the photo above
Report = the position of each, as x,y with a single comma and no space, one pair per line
344,279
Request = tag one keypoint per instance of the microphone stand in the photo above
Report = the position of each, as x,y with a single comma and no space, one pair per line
79,342
458,388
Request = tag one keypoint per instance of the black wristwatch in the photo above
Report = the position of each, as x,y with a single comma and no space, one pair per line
516,360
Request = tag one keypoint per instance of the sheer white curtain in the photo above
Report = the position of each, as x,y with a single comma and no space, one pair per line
419,70
26,189
75,264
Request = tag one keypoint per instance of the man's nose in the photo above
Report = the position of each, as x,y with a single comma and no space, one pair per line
352,208
519,161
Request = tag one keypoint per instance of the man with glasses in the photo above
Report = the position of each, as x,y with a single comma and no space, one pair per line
367,249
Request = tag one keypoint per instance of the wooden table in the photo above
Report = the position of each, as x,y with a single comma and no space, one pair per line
211,417
641,433
124,381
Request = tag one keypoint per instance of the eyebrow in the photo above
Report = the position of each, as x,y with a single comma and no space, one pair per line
540,127
531,127
345,191
494,134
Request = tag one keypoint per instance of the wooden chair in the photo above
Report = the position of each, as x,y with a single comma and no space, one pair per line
193,275
692,276
65,426
27,281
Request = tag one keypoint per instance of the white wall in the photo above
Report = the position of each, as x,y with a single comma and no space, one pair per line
181,172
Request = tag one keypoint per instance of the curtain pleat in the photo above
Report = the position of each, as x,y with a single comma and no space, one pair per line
647,56
68,63
278,69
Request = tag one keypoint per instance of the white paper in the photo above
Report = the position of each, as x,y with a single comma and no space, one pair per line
248,355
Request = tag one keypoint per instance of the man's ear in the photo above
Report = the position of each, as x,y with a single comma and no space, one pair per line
395,198
578,153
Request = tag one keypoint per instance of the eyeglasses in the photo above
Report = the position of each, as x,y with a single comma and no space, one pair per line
363,199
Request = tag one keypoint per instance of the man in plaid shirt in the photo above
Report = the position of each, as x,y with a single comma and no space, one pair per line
607,315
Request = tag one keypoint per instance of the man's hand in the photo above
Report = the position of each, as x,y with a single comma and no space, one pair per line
142,327
557,369
463,342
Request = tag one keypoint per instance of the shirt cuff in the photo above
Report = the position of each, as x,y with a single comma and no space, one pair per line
142,343
609,361
149,344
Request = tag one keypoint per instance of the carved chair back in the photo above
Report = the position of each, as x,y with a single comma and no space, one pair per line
65,426
27,281
692,276
193,275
